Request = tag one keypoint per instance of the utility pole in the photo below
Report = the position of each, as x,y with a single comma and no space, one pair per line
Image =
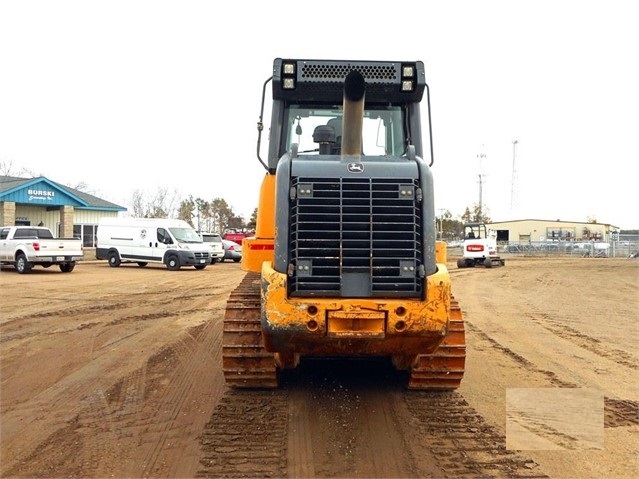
481,156
513,178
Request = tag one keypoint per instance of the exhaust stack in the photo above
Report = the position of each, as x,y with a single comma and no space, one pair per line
353,119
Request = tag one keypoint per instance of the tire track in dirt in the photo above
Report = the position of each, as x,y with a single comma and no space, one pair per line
617,412
465,445
246,436
107,303
194,358
550,375
141,411
351,419
594,345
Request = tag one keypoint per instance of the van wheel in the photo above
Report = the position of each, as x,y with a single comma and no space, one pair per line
22,265
114,259
142,264
199,266
67,267
173,263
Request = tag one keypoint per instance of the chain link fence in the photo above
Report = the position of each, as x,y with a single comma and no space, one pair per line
627,246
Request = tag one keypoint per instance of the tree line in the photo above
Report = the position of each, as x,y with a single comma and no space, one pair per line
214,216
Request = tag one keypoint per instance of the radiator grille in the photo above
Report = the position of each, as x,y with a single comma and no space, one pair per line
199,255
356,237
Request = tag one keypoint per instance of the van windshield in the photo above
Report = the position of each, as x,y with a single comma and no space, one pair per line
185,235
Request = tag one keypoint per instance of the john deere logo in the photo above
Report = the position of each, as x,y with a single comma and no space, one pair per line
355,167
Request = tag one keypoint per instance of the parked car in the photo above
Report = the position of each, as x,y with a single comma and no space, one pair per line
232,251
214,241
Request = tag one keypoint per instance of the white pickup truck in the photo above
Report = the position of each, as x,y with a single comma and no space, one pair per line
28,246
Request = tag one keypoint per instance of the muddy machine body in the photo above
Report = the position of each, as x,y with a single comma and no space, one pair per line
345,261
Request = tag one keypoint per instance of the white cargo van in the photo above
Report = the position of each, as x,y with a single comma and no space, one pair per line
151,240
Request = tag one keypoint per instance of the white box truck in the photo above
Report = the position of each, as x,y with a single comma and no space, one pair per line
151,240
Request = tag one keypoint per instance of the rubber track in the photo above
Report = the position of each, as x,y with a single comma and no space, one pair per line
444,369
245,362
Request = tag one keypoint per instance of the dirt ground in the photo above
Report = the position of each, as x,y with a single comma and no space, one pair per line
116,372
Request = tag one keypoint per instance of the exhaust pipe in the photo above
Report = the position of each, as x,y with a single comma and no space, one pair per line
353,118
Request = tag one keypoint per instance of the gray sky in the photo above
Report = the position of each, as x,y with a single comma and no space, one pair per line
140,95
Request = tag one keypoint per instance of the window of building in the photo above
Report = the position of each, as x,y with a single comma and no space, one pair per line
87,233
560,234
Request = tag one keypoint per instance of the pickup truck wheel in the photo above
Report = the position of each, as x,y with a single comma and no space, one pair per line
142,264
199,266
114,259
22,265
173,263
67,267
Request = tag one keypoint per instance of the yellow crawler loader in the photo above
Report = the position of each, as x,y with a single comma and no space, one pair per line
344,261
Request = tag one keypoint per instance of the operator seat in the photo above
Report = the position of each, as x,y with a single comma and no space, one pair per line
336,124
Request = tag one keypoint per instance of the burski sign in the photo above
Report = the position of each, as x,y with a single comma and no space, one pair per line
40,195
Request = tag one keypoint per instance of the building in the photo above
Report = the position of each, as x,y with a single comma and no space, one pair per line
534,230
66,211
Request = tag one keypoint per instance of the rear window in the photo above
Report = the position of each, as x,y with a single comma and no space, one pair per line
44,233
25,233
211,238
31,233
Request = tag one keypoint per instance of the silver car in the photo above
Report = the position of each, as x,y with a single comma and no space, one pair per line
232,251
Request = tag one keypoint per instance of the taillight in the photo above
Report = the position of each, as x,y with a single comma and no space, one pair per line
231,248
36,246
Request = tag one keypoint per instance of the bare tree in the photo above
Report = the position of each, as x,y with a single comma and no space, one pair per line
82,186
203,212
186,211
137,204
162,205
476,215
7,168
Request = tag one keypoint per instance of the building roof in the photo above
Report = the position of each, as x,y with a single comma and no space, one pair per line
551,221
20,190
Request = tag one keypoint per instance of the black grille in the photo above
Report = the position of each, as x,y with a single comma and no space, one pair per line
356,237
328,71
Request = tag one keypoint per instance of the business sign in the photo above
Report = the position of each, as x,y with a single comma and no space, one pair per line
40,195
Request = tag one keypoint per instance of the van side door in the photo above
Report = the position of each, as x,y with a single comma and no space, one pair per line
163,241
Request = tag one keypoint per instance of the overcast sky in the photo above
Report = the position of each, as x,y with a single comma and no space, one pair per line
141,95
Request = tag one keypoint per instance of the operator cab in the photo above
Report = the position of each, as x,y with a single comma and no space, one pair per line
319,130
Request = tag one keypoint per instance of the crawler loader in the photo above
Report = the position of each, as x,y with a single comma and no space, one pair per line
344,261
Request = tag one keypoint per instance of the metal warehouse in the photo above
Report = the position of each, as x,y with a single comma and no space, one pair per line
533,230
